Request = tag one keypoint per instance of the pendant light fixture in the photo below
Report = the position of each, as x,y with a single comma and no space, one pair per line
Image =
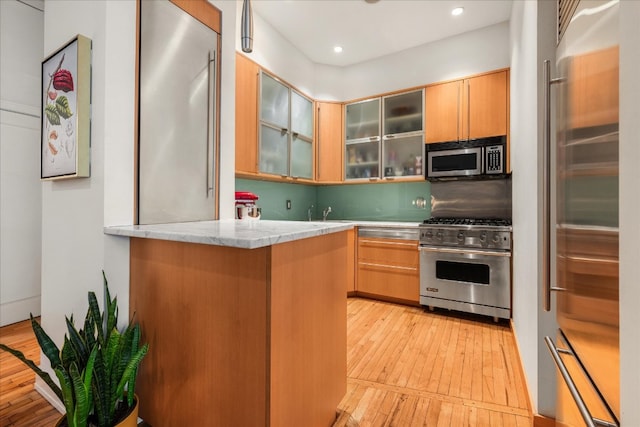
246,27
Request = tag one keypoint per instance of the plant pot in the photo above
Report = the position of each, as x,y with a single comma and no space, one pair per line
130,421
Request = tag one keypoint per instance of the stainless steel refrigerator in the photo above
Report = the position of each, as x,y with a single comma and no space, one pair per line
178,130
585,177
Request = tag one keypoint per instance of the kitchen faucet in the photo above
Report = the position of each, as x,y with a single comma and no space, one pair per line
326,212
309,212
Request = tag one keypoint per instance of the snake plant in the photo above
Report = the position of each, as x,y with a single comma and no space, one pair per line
96,367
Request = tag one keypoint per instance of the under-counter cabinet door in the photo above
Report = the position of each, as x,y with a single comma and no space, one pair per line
329,142
443,112
485,104
247,75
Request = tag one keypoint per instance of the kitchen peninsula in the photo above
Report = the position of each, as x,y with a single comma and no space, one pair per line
246,321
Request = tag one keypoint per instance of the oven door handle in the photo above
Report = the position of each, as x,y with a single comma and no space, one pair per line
441,249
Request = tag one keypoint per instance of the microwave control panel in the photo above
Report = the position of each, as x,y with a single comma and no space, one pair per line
494,159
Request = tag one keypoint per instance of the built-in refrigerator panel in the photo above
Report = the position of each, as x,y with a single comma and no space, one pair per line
586,229
178,57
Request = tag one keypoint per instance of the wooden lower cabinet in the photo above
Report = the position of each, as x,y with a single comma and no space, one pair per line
241,337
389,269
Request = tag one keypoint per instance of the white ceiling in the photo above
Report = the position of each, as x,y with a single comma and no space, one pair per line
367,31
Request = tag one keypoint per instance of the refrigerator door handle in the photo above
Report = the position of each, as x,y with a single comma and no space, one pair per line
546,187
589,420
211,96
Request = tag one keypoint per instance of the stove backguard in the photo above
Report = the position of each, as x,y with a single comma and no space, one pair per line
490,198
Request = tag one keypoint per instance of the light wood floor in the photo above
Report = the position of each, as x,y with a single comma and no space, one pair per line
409,367
405,367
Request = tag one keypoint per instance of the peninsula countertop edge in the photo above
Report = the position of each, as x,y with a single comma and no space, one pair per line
245,234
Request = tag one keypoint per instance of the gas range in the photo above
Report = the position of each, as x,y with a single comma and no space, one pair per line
472,233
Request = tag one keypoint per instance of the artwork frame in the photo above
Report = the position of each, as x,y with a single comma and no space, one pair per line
66,112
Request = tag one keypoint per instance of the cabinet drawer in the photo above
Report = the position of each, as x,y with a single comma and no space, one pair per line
391,252
389,281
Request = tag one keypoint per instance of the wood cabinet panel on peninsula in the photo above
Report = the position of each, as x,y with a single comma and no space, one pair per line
241,337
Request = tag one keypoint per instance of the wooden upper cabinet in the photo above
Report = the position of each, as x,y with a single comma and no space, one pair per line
329,142
443,112
247,73
593,89
485,104
476,107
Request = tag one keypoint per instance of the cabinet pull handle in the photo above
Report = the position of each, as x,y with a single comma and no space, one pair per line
211,74
546,184
589,420
373,179
458,112
373,138
468,110
395,267
318,147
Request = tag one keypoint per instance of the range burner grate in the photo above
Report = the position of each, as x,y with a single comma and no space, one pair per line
496,222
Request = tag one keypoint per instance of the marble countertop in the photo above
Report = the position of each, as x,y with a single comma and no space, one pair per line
233,233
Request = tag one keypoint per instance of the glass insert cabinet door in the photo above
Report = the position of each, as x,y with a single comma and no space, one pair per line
403,155
403,113
286,130
362,160
301,136
362,120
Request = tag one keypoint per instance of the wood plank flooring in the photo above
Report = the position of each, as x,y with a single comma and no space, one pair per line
409,367
20,404
405,367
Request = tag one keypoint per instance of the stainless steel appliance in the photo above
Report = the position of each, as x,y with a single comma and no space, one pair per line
465,265
178,101
482,157
586,348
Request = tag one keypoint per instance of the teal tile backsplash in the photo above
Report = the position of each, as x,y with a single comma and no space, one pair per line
364,202
274,196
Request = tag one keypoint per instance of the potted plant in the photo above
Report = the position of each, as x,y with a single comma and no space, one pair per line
96,367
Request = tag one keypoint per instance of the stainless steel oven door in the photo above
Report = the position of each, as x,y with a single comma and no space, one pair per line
477,281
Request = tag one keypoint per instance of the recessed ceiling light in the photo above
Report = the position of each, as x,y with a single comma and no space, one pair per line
337,49
457,11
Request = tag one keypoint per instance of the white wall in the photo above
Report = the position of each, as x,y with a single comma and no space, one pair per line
629,208
474,52
21,41
532,40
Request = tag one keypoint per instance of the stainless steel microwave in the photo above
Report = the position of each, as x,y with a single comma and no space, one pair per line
467,159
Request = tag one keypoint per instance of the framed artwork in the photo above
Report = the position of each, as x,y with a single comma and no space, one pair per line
66,110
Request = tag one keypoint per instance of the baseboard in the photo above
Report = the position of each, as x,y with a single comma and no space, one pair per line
44,390
17,311
522,373
542,421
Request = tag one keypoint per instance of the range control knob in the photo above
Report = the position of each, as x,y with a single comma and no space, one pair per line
496,238
483,237
439,235
428,234
460,236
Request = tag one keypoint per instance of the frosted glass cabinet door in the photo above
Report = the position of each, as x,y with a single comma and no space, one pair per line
403,113
362,119
403,156
301,158
301,115
274,102
274,151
